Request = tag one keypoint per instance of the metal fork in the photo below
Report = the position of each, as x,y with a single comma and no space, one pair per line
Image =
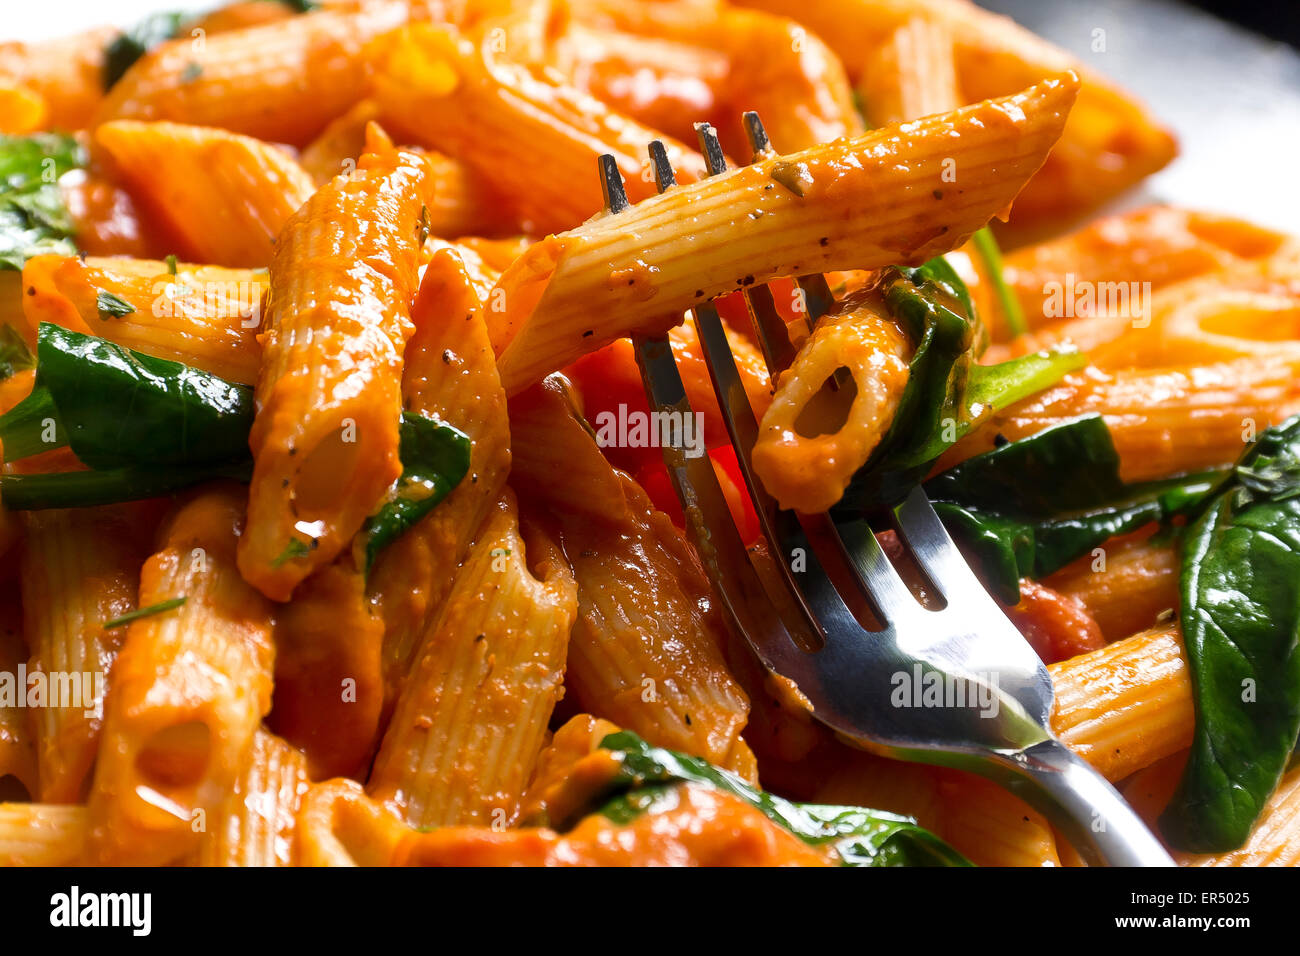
995,693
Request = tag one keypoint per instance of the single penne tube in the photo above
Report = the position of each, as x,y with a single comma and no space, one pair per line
530,135
325,437
857,778
224,196
338,825
281,82
861,203
916,74
1125,584
80,571
1127,705
995,56
450,374
43,834
188,693
991,826
1205,417
809,473
254,825
471,719
647,646
203,316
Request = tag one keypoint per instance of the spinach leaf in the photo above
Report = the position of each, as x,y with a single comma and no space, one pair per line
120,408
135,41
946,393
1032,506
859,836
435,457
110,306
87,489
1240,620
147,426
33,218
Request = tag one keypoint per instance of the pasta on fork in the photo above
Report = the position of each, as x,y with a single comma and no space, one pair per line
336,527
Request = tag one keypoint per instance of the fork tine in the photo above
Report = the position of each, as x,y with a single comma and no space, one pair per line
664,175
756,133
714,159
708,519
936,554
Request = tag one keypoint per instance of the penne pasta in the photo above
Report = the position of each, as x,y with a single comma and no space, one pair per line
255,80
991,826
80,571
470,720
450,373
652,665
42,834
18,780
1127,705
202,316
436,89
59,81
224,196
819,210
325,439
254,825
189,690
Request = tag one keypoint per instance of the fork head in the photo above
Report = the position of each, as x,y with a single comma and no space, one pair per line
924,682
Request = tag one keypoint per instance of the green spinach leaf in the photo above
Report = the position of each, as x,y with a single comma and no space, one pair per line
1032,506
1240,620
136,41
860,837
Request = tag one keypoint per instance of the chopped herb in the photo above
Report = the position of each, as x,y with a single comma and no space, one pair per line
294,550
33,218
423,230
112,307
160,608
191,72
171,265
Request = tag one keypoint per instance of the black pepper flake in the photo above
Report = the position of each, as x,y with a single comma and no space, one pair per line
31,290
315,543
699,293
688,720
292,452
1000,439
748,280
937,194
824,241
447,356
284,482
479,638
588,333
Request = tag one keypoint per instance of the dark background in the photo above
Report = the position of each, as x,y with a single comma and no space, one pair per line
1279,19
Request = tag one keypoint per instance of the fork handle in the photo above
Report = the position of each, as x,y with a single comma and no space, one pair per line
1082,803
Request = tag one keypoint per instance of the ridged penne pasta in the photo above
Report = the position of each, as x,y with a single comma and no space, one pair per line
224,196
438,90
1205,415
915,74
1108,144
1125,584
449,373
42,834
254,825
189,689
472,715
325,439
822,209
651,664
281,82
80,571
991,826
202,316
1126,705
